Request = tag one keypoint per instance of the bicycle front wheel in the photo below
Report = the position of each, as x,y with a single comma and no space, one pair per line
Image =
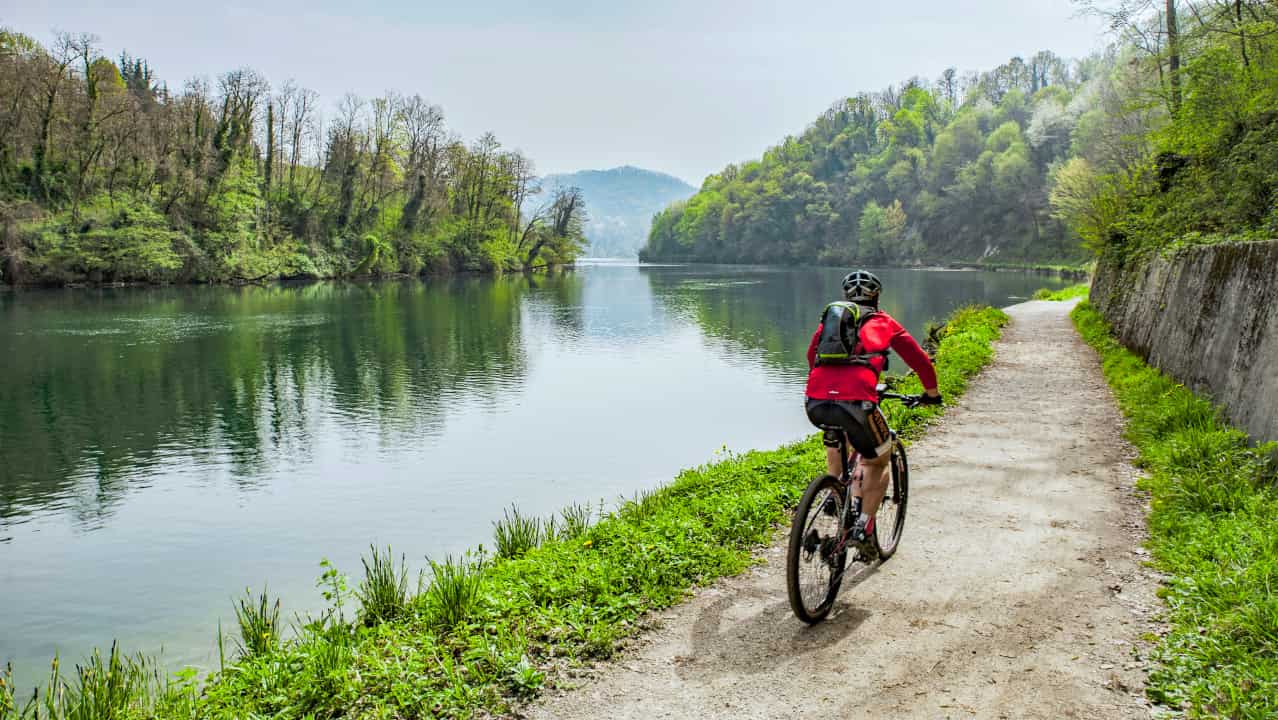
817,552
890,518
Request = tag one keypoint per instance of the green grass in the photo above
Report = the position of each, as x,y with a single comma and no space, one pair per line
488,632
259,623
516,533
383,594
1073,291
574,521
454,592
118,686
1213,532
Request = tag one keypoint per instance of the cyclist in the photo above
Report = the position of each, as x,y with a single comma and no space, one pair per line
846,396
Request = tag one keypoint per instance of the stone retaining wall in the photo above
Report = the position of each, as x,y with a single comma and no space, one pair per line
1207,316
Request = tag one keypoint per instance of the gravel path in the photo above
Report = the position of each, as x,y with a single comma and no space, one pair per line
1018,591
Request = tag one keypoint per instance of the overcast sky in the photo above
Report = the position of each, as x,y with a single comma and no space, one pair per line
681,87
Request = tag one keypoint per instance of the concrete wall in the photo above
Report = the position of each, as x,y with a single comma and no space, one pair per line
1209,318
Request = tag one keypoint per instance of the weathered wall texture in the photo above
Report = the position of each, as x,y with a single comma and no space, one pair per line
1209,318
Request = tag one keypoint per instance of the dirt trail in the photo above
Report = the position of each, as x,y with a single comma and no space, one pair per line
1017,592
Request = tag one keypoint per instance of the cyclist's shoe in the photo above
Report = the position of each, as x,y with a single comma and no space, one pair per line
862,537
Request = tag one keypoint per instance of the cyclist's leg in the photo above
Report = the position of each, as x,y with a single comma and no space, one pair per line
832,463
871,437
874,478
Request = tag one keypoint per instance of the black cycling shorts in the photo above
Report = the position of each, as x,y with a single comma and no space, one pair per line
863,422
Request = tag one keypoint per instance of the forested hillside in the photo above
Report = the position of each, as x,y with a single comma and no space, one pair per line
109,174
622,202
1169,135
959,168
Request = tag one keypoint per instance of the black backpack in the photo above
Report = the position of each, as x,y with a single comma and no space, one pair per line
841,324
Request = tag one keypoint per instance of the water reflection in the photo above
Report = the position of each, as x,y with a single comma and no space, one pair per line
771,312
101,386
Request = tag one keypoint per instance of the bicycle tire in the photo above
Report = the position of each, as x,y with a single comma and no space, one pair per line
819,551
895,502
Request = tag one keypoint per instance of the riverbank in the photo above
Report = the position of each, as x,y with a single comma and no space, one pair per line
1064,271
125,242
293,280
492,628
1072,292
1018,590
1068,271
1213,523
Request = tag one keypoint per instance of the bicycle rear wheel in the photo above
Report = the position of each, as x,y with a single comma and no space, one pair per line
890,518
817,551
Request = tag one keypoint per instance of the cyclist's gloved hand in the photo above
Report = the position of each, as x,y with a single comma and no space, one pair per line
930,400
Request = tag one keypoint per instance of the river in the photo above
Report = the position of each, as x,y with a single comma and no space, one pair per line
161,449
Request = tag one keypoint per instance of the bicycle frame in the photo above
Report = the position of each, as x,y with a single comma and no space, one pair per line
850,462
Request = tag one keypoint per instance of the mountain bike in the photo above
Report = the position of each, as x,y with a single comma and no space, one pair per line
819,535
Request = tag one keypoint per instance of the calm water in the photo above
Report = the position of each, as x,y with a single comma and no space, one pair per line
162,449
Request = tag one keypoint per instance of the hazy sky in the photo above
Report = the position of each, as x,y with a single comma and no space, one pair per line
682,87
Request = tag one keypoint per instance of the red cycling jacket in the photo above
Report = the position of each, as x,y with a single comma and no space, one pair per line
857,382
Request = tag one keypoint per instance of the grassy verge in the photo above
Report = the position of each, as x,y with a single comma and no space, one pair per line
1213,531
488,630
1073,291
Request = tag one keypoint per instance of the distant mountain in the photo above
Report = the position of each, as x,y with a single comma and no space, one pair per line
621,203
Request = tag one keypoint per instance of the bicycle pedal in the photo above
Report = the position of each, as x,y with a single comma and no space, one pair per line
866,552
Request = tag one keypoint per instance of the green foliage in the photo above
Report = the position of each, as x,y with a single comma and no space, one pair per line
914,174
1074,291
1205,170
454,591
259,623
526,678
1096,160
383,593
1213,520
335,589
134,184
112,241
575,520
516,533
118,686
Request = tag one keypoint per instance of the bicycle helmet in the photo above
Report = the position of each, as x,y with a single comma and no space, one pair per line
862,286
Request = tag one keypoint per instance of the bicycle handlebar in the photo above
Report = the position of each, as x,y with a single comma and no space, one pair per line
910,401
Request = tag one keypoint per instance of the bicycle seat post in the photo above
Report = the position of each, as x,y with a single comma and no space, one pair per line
835,436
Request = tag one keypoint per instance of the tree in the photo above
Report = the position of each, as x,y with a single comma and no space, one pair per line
1086,201
52,73
1173,55
562,230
